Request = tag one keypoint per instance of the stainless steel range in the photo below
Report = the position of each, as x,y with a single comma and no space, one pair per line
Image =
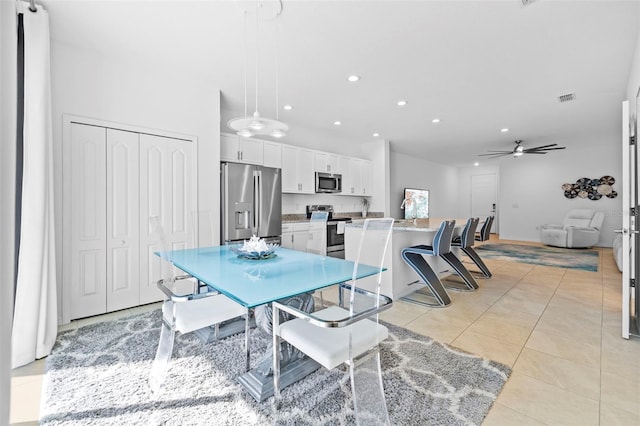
335,230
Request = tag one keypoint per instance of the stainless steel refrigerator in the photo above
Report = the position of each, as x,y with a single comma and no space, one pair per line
251,202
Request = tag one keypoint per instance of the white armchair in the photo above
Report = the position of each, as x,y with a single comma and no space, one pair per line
580,229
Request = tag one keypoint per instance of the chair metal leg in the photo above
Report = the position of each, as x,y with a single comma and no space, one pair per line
469,251
369,402
163,356
455,263
430,278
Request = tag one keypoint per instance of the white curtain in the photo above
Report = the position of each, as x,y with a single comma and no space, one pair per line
35,318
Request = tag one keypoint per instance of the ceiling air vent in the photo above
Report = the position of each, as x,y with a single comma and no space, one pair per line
567,98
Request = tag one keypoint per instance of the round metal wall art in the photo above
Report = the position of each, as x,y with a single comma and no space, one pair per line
593,189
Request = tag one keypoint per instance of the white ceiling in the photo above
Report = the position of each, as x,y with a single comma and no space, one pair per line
478,66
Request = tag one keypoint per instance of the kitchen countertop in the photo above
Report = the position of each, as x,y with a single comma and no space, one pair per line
301,217
418,225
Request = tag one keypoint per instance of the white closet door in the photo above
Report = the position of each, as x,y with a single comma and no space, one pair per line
88,218
167,190
123,276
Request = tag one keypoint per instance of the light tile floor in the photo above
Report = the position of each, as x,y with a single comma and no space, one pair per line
559,329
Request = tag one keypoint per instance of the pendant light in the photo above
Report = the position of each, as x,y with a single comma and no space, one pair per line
257,125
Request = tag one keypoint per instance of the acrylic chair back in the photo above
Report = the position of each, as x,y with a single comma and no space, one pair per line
372,251
174,284
366,371
316,243
202,223
467,237
442,240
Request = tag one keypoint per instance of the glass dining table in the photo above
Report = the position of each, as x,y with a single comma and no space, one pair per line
252,283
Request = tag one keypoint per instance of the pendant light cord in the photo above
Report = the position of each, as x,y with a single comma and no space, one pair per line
244,34
257,6
277,72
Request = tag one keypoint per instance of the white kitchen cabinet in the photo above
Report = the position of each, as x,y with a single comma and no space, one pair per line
326,162
317,240
297,170
355,172
287,235
295,236
344,167
367,177
356,176
272,154
116,180
241,150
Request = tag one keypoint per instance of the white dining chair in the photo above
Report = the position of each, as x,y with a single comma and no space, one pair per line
348,334
185,308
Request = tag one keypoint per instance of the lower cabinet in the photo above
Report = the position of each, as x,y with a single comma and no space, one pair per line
295,236
116,180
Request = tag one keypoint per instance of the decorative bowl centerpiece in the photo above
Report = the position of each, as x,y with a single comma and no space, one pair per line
256,249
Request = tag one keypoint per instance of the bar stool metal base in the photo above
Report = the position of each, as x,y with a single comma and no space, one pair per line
473,255
413,257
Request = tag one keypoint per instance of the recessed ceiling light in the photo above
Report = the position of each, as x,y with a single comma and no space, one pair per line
288,107
401,102
504,130
353,78
435,120
375,135
476,164
337,123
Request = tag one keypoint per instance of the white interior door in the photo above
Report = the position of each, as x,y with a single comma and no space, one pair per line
123,277
484,198
168,190
629,224
86,201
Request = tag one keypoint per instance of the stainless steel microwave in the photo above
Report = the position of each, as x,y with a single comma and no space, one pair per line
328,182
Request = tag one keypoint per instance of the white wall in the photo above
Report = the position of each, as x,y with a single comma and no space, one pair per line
412,172
530,188
633,83
7,194
138,92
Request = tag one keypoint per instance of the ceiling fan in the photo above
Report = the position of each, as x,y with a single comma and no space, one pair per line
519,150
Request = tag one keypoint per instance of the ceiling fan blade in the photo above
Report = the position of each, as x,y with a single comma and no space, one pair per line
551,149
535,152
496,153
544,146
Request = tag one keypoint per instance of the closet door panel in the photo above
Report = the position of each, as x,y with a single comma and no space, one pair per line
167,190
183,194
123,274
87,189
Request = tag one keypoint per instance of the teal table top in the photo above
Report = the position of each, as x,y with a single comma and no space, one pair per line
256,282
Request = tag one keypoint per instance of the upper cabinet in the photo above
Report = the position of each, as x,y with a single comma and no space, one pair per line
367,177
241,150
272,154
325,162
297,170
298,164
356,176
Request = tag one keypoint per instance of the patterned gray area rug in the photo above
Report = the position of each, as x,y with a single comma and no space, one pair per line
97,375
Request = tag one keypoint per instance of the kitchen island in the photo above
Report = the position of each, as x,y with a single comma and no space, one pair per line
399,279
